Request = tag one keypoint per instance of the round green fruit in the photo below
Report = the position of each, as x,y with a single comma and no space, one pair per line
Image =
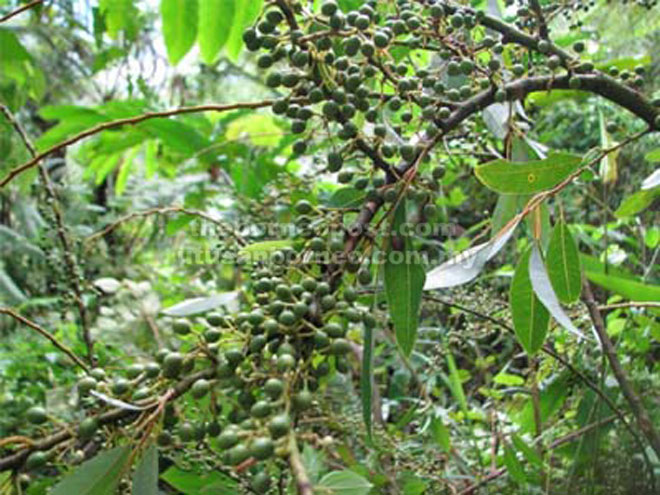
260,409
262,448
228,438
279,426
200,388
36,460
181,327
274,388
36,415
87,428
172,365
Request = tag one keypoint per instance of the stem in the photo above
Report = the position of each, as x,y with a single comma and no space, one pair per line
303,484
636,404
23,8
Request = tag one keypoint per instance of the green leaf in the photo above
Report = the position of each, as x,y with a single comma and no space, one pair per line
404,282
503,378
243,17
194,483
145,478
455,384
513,466
563,262
653,156
366,373
630,289
527,177
120,15
637,202
98,476
441,434
345,483
215,21
346,197
125,170
530,454
530,318
179,27
505,209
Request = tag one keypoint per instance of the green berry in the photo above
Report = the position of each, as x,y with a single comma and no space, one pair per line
274,388
36,415
200,388
279,426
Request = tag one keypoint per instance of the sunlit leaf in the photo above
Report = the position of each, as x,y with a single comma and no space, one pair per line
244,16
179,27
216,18
527,177
637,202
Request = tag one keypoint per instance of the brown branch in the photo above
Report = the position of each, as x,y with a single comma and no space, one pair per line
46,334
636,404
16,460
23,8
113,124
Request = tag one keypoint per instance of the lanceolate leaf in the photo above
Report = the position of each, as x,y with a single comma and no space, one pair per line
467,265
145,478
179,27
563,263
513,466
530,318
245,14
546,294
404,281
215,22
637,202
98,476
527,177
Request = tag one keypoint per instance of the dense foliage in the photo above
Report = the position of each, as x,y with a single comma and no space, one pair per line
331,246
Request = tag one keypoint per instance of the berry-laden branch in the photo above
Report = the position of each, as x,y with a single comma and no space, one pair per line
114,416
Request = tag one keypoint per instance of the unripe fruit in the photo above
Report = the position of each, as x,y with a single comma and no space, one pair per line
36,460
87,428
285,362
274,388
364,276
172,365
260,409
134,371
261,483
262,448
302,400
279,426
200,388
238,454
228,438
287,317
120,386
152,370
334,330
340,347
164,439
234,357
98,374
213,429
36,415
181,327
86,384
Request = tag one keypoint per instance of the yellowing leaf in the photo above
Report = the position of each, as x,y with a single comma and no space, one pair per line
527,177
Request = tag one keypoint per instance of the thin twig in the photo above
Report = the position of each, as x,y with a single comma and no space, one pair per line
630,304
23,8
113,124
303,483
45,333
